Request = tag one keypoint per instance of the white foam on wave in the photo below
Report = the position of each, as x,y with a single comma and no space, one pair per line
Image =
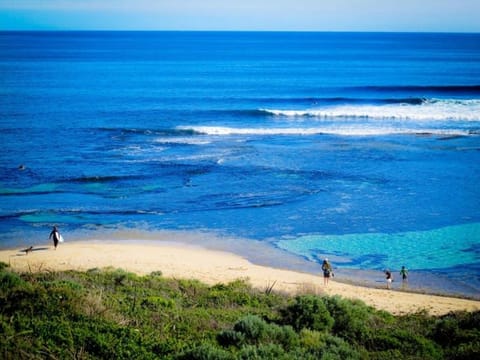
327,130
182,140
225,130
429,110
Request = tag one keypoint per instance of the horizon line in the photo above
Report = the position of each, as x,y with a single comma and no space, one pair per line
244,31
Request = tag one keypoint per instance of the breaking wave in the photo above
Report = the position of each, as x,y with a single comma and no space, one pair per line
427,110
337,130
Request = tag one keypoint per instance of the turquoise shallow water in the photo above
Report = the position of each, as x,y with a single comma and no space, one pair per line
447,247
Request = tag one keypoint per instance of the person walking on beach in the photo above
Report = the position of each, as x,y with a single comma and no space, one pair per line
55,235
327,271
389,278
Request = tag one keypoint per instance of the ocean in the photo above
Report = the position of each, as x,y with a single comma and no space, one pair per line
360,147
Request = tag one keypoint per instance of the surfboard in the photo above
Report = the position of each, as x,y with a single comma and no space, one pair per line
60,238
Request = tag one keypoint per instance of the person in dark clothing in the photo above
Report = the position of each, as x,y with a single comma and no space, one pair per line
55,235
404,273
327,271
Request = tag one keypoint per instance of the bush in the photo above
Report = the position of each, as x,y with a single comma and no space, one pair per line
312,341
456,328
460,334
387,354
233,294
157,303
446,331
469,320
307,312
285,336
205,352
353,320
338,349
262,352
466,351
252,327
3,265
405,341
323,345
9,280
230,338
253,330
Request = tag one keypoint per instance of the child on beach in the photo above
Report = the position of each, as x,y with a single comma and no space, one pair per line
327,271
389,278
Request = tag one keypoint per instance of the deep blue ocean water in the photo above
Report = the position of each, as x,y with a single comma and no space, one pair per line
364,147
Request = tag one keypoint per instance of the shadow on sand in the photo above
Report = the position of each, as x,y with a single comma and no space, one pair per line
25,252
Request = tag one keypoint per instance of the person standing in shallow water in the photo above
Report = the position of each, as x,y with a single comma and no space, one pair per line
327,271
404,274
55,235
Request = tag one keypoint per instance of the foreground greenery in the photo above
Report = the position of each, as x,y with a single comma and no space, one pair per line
112,314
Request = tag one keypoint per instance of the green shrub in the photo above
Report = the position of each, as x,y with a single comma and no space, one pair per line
190,291
205,352
157,303
119,277
312,341
24,299
384,341
230,338
387,354
284,336
338,349
9,280
446,331
234,294
469,320
409,343
456,328
465,351
353,320
419,323
323,345
262,352
459,334
252,327
307,312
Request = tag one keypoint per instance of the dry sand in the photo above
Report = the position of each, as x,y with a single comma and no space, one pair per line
211,267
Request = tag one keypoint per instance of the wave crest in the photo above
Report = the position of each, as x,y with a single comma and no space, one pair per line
428,110
338,130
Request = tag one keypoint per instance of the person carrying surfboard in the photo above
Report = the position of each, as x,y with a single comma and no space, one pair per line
55,235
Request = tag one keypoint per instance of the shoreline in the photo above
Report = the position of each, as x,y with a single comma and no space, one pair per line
219,266
455,282
460,282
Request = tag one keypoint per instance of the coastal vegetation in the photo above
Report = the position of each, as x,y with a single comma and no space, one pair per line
113,314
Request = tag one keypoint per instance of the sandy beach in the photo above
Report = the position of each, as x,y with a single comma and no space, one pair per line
211,267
